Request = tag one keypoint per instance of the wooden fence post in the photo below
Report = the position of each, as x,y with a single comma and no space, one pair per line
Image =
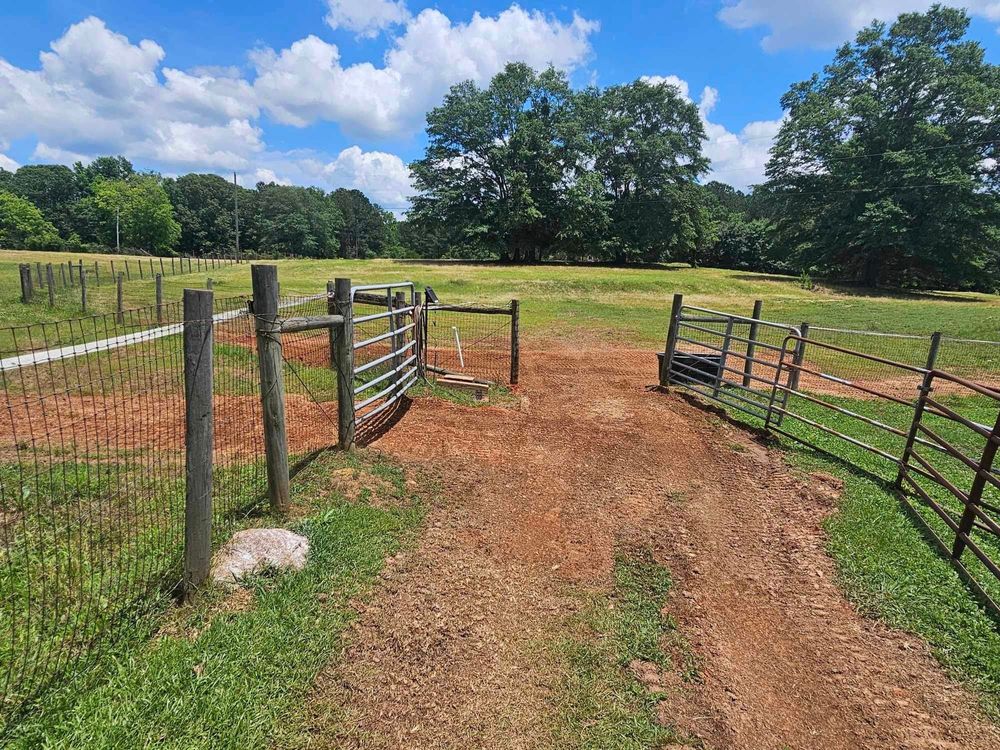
159,298
727,342
209,283
97,273
331,309
172,271
344,357
25,270
128,272
113,274
161,267
932,351
120,297
799,357
83,288
139,263
62,275
38,270
272,385
515,341
69,270
198,438
671,344
758,308
50,280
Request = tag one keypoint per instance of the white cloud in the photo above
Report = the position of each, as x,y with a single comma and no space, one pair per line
7,163
97,92
366,17
737,158
306,82
822,23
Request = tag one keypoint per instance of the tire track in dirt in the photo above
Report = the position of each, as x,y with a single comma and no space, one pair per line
536,501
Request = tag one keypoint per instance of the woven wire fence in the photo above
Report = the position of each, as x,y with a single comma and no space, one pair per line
468,340
92,478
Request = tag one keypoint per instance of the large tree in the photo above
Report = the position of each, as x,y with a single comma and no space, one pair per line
644,141
52,188
142,209
366,227
22,225
297,221
886,165
494,161
204,206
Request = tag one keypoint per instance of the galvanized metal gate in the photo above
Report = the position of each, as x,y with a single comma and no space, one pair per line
385,346
940,447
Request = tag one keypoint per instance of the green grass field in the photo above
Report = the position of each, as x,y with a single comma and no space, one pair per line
629,305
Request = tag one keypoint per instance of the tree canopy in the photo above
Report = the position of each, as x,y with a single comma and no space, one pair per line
886,165
527,169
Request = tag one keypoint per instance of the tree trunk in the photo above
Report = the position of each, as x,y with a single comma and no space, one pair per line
871,272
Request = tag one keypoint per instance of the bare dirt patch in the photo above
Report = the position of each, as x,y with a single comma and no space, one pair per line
537,499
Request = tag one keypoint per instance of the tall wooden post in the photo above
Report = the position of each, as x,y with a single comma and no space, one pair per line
24,270
515,341
668,350
83,288
97,273
172,271
139,263
344,357
272,384
932,351
38,270
198,438
62,275
128,271
758,310
50,280
162,272
120,296
331,309
69,270
113,274
159,298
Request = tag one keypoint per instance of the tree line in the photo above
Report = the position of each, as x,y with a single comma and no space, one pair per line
885,170
108,204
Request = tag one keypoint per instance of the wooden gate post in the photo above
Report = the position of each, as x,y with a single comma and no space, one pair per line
758,308
344,357
515,340
25,271
331,309
272,383
671,344
198,436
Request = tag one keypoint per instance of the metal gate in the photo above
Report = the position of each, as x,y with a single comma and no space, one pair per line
936,433
384,346
479,341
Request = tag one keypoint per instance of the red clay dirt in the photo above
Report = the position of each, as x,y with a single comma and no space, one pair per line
536,502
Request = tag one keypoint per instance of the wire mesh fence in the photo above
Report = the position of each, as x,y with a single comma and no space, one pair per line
473,340
92,477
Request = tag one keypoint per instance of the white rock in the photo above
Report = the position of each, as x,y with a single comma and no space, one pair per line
256,550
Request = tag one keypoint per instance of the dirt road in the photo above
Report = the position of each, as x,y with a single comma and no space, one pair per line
536,501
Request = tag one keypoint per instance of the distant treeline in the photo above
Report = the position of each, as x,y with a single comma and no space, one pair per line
107,204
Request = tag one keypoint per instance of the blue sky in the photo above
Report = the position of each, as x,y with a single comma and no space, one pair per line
332,92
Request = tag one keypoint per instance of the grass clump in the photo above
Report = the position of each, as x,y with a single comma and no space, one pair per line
603,704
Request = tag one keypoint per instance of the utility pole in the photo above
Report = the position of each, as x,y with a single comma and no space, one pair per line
236,214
